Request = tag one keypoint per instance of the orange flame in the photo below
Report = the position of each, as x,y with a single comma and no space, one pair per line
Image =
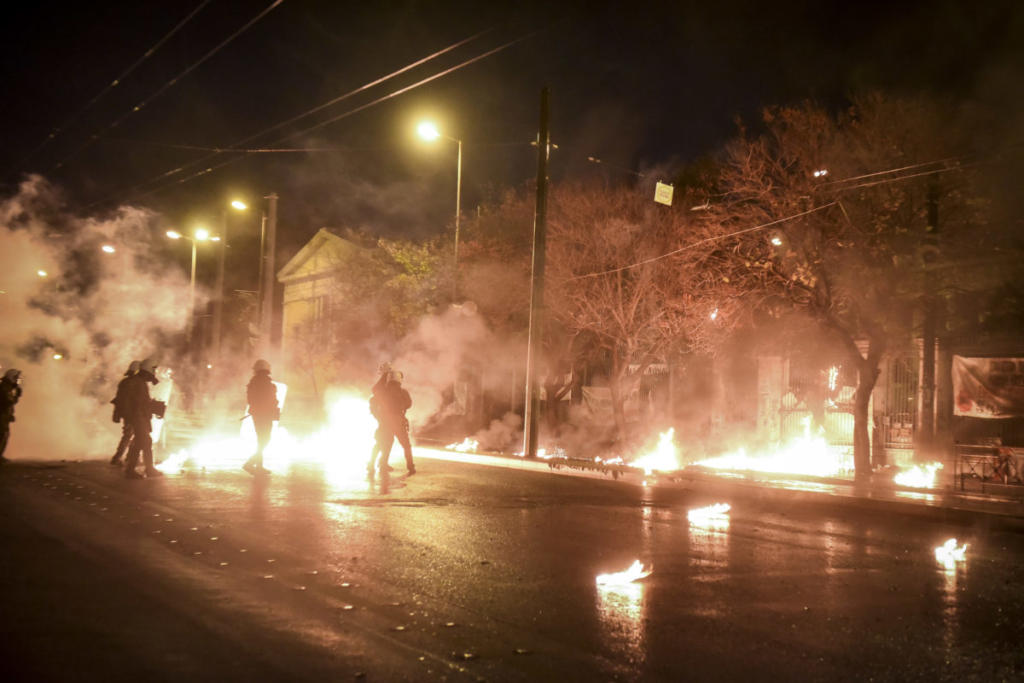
948,554
664,457
920,477
635,572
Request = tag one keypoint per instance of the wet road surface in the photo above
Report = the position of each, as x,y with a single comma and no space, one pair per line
467,572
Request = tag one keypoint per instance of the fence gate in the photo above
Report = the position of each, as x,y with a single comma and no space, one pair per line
900,402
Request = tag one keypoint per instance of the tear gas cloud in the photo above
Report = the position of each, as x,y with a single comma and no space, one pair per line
98,311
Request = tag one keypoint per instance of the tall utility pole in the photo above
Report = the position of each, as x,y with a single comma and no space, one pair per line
926,393
458,214
267,286
540,227
218,303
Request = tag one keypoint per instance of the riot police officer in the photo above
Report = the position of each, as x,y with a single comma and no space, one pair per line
120,404
10,392
139,411
261,393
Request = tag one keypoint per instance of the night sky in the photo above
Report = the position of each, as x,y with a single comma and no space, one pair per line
644,86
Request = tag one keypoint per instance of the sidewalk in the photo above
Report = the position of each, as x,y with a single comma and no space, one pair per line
883,496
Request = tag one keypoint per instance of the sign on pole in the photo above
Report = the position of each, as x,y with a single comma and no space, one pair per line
663,193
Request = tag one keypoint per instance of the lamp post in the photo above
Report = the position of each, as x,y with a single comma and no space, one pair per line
200,235
429,132
218,304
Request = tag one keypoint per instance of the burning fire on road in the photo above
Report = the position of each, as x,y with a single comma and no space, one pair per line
635,572
949,554
712,517
349,431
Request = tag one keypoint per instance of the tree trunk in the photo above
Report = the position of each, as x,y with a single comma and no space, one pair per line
867,376
618,409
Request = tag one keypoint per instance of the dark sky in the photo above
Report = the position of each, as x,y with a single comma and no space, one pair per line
641,85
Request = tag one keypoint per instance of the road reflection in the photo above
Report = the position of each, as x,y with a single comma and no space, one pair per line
620,611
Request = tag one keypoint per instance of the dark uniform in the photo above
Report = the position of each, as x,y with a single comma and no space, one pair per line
375,410
394,401
138,412
10,392
120,402
262,397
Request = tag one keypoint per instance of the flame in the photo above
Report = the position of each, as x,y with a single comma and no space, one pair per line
349,422
718,511
468,445
948,554
810,455
664,458
635,572
919,477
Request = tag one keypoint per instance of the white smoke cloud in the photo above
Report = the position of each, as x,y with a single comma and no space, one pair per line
97,311
434,353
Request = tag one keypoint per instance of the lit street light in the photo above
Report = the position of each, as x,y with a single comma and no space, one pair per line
108,248
200,235
429,132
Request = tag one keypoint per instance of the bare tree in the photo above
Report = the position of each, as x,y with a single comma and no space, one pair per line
829,216
609,283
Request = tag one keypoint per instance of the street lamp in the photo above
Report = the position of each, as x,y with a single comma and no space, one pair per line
200,235
429,132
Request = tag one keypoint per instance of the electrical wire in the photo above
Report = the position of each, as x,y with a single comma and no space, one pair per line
350,112
319,107
894,170
114,83
700,242
138,107
407,88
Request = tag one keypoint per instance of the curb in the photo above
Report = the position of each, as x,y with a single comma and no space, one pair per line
937,504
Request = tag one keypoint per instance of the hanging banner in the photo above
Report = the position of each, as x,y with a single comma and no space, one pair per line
988,387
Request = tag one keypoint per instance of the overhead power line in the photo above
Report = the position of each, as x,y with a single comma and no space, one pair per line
352,111
232,147
138,107
698,243
113,84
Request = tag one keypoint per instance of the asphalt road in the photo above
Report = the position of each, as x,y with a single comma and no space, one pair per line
467,572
